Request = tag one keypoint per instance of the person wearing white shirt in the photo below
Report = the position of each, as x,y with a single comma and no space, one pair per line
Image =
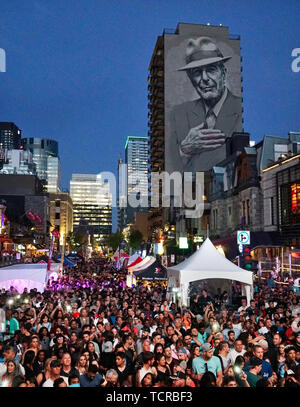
55,369
244,305
237,351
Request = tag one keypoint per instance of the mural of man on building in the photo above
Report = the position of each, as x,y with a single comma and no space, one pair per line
200,127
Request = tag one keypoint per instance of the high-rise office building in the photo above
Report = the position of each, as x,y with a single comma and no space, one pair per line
92,205
17,162
10,136
136,159
53,174
45,156
122,194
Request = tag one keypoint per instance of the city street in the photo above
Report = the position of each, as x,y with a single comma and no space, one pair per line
149,198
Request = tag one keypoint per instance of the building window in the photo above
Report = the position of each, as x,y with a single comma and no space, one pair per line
243,213
215,218
295,202
248,219
272,210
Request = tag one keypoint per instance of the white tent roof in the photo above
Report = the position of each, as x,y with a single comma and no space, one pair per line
133,258
208,263
143,264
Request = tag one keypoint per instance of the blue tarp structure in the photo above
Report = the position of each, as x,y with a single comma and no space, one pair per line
67,262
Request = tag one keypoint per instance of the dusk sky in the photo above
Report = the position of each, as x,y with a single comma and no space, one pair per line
76,70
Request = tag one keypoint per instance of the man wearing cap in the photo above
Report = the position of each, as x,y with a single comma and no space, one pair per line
200,127
207,363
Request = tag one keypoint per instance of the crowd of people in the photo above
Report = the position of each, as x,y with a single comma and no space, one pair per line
88,329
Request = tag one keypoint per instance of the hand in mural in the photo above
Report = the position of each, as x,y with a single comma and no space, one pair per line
200,139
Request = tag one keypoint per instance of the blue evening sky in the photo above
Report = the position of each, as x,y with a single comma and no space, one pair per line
77,69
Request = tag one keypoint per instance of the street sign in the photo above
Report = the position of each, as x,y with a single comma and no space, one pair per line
198,239
243,237
240,248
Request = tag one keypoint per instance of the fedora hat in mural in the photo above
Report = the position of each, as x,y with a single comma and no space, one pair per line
201,52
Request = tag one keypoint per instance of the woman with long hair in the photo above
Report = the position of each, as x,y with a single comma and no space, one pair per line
39,362
34,346
44,323
116,337
195,353
290,361
84,317
45,373
280,359
162,368
82,364
90,347
158,349
28,364
44,336
11,372
148,380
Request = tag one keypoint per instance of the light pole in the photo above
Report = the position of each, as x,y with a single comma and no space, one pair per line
122,246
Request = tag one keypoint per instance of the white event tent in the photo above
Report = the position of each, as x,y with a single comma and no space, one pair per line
28,276
206,263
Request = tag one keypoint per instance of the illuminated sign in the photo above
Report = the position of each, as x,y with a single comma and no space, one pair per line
295,196
183,243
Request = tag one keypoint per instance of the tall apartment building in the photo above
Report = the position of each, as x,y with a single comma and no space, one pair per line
45,156
92,205
10,136
177,104
136,159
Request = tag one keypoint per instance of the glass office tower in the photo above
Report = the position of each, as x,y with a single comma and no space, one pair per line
43,150
92,205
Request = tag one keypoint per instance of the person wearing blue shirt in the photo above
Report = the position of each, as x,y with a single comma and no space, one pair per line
202,335
207,363
92,378
266,371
